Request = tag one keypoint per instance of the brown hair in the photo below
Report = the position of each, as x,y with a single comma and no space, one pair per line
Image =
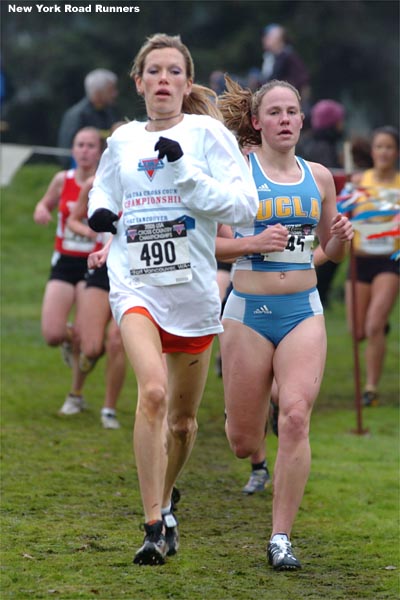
88,129
238,105
388,130
201,100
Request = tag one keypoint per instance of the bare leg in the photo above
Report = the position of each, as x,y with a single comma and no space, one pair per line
115,367
187,378
384,292
247,373
298,365
143,348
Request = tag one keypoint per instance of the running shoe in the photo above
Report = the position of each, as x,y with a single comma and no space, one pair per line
109,419
171,524
274,416
154,549
258,482
370,398
66,353
66,349
280,555
73,405
86,364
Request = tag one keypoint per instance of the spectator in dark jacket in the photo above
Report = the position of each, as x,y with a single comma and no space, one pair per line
94,110
282,62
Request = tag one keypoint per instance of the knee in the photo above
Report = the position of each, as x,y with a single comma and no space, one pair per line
242,445
114,343
360,333
92,349
183,428
153,401
53,337
375,328
294,426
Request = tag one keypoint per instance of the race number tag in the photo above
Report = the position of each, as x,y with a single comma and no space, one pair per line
299,246
159,253
380,246
77,243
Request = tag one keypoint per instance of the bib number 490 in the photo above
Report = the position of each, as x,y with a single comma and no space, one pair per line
155,253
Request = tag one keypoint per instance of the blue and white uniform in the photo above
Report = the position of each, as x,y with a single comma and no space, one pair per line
297,206
163,255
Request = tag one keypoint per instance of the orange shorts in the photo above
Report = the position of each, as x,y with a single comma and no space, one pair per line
175,343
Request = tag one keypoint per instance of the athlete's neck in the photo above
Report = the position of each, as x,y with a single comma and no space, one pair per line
279,166
384,176
160,123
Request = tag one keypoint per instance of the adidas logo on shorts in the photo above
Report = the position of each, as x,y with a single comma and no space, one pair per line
262,310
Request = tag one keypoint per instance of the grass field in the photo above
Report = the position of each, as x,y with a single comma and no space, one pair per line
70,505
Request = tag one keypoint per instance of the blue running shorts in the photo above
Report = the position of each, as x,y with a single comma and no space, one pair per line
273,317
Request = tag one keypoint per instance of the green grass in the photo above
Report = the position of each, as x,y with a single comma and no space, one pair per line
70,504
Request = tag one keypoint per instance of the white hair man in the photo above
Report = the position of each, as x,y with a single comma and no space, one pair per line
96,109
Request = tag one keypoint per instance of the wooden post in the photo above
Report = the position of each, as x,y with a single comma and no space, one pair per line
356,357
348,168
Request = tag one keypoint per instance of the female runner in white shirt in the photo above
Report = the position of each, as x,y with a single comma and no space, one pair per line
162,187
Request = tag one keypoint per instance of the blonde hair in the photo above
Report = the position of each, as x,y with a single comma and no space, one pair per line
201,100
238,105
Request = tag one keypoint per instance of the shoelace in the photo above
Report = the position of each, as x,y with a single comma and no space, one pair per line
282,546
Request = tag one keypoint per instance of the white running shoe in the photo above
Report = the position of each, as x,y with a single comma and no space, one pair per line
280,554
109,419
73,405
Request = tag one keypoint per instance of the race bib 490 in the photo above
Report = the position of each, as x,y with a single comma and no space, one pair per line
159,253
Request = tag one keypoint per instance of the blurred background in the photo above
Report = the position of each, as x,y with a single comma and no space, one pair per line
350,48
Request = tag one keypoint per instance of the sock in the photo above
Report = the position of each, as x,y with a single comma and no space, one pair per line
108,411
166,509
153,522
259,466
370,388
76,393
280,536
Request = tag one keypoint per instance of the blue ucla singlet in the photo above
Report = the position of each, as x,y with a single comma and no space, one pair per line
297,206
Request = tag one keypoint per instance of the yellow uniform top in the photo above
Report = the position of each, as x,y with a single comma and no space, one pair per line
377,197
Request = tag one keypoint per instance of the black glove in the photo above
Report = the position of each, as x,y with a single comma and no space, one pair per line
103,220
168,148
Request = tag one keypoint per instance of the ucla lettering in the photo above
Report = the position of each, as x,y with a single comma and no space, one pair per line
282,207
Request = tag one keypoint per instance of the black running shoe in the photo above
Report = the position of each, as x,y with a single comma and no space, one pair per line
370,398
171,524
274,416
281,557
154,549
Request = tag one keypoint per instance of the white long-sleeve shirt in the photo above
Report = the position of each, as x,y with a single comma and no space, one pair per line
162,256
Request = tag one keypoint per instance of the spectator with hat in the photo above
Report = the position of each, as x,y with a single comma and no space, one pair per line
320,144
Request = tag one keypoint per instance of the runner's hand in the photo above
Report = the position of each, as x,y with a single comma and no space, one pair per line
103,220
168,148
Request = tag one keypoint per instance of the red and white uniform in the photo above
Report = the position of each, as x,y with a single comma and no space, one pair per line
67,242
